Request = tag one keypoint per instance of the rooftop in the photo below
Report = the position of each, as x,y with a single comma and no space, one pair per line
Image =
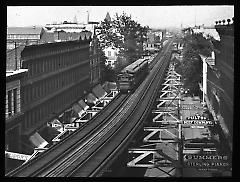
69,27
24,30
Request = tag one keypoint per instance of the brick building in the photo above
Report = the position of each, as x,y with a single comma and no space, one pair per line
13,108
23,36
59,74
63,66
13,114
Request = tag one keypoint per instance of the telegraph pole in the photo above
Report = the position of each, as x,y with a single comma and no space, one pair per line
15,44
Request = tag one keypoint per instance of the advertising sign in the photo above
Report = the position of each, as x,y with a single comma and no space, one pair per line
197,122
208,161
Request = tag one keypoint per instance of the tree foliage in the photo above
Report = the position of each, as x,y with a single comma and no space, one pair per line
107,73
124,33
191,66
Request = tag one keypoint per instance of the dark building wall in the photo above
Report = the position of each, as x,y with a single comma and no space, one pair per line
13,112
225,63
58,75
225,66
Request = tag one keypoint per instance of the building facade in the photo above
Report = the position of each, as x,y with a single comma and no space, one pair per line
23,36
153,43
221,80
13,114
13,109
225,65
58,75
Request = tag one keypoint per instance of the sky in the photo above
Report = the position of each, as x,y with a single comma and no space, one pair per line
153,16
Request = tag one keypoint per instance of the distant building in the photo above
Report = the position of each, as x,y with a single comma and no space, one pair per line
207,32
13,58
153,42
112,54
107,18
23,36
66,31
65,26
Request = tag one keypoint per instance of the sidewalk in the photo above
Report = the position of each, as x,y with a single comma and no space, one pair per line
194,133
171,149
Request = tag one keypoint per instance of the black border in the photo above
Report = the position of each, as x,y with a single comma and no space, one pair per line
236,137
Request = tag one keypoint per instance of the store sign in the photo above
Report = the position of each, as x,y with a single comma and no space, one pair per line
17,156
206,161
196,117
197,122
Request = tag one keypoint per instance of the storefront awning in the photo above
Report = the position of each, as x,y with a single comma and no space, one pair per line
38,141
106,87
99,91
91,98
77,109
83,105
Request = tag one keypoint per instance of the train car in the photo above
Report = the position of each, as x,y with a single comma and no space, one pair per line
132,75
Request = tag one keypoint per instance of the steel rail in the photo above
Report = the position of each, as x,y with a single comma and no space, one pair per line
74,153
62,170
86,130
73,169
129,124
83,148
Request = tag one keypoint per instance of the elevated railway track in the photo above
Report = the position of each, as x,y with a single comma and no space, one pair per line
86,151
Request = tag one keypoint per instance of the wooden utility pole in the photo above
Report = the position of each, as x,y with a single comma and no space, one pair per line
15,43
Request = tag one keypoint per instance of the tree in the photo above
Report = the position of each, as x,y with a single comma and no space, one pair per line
191,66
124,33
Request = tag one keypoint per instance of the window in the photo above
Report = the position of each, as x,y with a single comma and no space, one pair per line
12,102
9,102
15,100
